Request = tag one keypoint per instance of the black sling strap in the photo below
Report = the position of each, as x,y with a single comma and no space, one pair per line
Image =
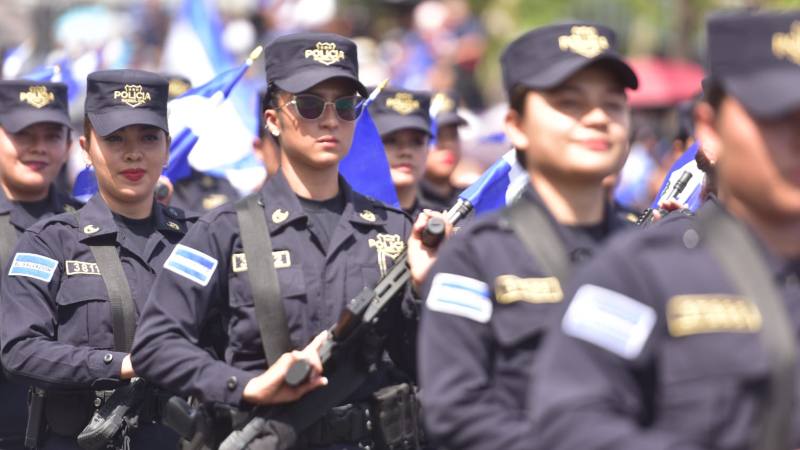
263,279
8,239
532,226
123,312
740,259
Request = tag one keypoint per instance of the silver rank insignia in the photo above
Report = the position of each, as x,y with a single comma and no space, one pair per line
91,229
279,215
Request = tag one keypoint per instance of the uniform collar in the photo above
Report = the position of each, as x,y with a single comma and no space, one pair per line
22,219
96,219
282,207
610,222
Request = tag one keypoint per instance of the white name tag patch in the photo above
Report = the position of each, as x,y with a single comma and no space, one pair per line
610,320
192,264
32,265
460,296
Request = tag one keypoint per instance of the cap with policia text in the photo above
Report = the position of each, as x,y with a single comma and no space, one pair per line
297,62
24,103
755,56
395,110
543,58
443,109
119,98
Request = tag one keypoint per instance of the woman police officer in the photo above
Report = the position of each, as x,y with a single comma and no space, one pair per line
327,243
35,137
490,298
71,273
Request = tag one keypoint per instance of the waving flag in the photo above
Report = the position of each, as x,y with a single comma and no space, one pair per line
691,194
365,167
193,46
194,117
61,72
498,186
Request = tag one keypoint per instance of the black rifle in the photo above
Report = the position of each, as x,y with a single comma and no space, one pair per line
117,414
647,216
339,355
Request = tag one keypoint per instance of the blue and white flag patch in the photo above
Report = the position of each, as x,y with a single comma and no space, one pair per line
192,264
32,265
610,320
460,296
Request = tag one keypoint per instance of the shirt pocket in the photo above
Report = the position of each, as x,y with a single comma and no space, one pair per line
243,325
84,313
721,378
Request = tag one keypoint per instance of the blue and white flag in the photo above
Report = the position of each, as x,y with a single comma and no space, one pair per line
59,72
196,118
691,194
365,167
499,185
194,46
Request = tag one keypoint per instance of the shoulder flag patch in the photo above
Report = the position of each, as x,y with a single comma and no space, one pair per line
192,264
32,265
610,320
460,296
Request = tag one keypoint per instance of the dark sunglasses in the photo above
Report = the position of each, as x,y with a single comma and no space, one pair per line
311,107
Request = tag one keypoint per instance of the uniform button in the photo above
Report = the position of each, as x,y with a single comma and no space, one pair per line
581,254
107,358
232,382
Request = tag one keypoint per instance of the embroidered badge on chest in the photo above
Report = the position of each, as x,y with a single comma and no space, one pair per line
81,268
388,246
698,314
282,259
511,289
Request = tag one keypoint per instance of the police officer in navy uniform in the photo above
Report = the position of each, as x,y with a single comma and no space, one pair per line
199,192
489,301
328,242
404,123
435,188
58,323
685,335
35,137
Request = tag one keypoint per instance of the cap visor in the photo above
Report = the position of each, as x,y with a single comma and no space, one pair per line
561,71
390,123
450,119
766,94
109,122
307,79
15,122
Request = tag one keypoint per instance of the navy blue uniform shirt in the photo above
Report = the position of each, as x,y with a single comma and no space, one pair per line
207,277
13,408
488,305
200,193
657,350
55,319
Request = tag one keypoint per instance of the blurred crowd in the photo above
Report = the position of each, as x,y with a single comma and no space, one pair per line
435,45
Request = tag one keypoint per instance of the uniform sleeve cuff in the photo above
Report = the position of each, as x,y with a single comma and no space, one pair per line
228,385
106,364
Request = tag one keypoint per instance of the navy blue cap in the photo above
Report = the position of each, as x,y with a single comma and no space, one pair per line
24,103
119,98
396,109
756,58
298,62
444,106
545,57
